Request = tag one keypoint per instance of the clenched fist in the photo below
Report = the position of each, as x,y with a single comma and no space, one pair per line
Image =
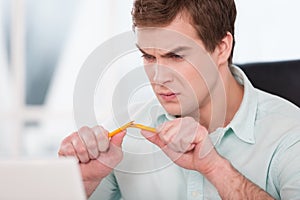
96,153
186,142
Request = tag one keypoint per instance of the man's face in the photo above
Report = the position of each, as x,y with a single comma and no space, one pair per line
182,73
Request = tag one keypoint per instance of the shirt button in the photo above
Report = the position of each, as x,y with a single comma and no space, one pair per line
195,194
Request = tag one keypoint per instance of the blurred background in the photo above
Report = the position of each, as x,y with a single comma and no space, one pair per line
43,44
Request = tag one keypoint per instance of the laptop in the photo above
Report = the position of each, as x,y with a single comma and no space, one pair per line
51,179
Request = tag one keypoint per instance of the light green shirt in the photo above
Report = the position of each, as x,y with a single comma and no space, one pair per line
262,142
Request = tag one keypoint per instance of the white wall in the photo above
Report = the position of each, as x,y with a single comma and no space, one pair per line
267,30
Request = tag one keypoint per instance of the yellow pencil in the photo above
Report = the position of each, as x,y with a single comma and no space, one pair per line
118,130
140,126
131,125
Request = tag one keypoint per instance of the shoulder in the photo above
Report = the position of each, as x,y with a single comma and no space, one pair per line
276,108
277,121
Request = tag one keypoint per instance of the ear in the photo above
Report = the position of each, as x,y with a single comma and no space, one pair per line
223,49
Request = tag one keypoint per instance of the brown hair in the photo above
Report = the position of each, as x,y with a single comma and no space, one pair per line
212,19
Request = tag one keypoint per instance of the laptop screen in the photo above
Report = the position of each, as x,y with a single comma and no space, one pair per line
51,179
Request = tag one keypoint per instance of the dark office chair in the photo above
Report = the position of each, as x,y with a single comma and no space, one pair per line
280,78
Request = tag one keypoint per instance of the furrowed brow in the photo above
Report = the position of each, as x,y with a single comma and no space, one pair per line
172,52
141,50
176,50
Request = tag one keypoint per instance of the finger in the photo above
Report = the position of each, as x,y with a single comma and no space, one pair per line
118,138
102,138
164,126
173,133
114,154
67,150
171,137
200,135
64,149
164,131
80,149
182,135
88,139
191,147
183,138
153,137
181,146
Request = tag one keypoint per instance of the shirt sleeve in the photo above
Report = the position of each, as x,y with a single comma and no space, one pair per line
107,190
288,169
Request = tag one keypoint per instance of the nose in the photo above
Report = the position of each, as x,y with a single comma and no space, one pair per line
162,73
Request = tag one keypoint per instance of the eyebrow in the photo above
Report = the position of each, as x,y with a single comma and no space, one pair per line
172,52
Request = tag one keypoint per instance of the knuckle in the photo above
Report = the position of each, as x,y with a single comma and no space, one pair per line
100,131
81,150
84,130
103,146
64,142
94,154
102,138
91,145
68,139
69,151
66,149
99,128
165,138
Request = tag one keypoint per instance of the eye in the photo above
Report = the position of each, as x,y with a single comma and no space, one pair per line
149,58
176,57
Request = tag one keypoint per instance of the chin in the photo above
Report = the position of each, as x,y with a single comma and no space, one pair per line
176,111
173,110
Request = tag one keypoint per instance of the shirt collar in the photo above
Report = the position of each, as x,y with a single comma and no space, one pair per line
243,121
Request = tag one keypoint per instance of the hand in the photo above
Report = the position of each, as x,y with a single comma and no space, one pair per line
187,143
96,153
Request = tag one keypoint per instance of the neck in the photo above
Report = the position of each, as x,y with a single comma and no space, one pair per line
224,102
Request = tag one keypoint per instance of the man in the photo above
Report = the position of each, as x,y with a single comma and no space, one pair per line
226,139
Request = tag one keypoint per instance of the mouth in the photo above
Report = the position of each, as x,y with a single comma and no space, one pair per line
168,96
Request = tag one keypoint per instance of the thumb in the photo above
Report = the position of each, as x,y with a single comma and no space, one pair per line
153,137
118,138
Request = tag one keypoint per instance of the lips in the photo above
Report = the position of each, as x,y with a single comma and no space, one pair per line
168,96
